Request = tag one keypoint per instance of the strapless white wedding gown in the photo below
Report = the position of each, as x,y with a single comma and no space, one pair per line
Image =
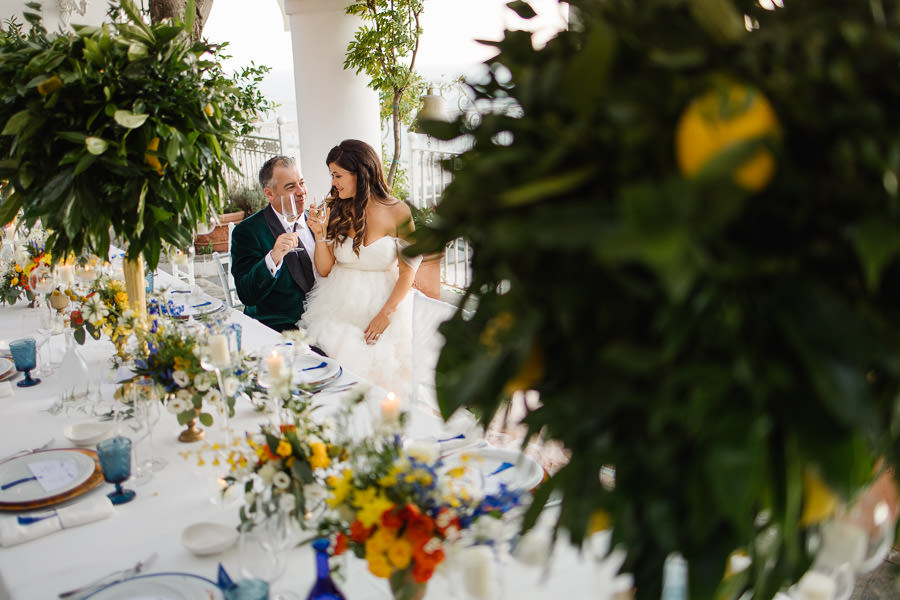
340,307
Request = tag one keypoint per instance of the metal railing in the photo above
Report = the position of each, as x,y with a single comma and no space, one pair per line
249,153
427,181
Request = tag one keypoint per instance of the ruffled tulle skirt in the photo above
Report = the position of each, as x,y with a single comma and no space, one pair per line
338,310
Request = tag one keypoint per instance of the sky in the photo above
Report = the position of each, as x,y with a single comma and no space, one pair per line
447,47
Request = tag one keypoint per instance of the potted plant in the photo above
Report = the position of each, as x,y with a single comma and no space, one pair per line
714,316
123,129
240,203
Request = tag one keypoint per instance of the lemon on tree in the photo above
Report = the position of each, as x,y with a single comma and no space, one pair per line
725,120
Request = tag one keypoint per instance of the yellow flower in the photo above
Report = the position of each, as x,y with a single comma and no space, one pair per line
340,488
121,298
208,109
17,269
14,281
390,479
319,458
400,553
284,448
379,566
370,512
819,501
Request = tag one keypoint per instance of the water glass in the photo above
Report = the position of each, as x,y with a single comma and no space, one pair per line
24,353
115,462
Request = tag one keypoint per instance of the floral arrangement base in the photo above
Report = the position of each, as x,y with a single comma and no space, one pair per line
404,587
192,433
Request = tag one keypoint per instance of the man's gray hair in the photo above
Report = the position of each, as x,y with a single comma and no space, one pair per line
268,168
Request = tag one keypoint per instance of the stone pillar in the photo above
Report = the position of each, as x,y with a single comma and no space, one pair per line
333,104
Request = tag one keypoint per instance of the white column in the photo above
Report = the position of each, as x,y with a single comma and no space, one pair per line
333,104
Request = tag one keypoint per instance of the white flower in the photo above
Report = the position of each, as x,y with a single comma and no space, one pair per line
314,495
423,451
213,396
267,473
128,314
180,378
432,545
184,394
201,382
231,385
281,480
95,310
533,548
178,405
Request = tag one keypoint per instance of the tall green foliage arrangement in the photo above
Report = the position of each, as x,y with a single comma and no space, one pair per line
126,127
723,349
385,48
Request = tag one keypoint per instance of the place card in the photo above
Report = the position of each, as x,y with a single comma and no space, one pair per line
54,474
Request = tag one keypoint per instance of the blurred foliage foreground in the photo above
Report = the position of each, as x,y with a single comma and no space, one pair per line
693,208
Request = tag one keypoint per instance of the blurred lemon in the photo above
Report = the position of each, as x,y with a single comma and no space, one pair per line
49,85
529,374
600,521
152,160
719,120
208,109
819,502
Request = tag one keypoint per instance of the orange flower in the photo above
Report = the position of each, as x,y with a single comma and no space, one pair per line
340,544
359,532
392,519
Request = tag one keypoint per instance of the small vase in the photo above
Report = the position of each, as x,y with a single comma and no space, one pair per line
404,587
192,432
73,370
324,588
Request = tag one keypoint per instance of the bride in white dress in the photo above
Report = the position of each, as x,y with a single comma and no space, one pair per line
359,312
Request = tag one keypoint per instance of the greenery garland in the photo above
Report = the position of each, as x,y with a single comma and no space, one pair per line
730,345
126,127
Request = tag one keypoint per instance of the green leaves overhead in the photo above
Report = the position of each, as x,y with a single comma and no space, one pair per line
710,343
104,123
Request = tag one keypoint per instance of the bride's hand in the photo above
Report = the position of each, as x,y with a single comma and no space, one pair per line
376,327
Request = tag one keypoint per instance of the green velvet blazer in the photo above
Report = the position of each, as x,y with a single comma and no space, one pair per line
276,301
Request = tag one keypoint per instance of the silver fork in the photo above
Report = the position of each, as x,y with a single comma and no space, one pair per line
43,446
108,579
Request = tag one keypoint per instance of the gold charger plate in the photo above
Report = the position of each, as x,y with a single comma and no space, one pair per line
93,480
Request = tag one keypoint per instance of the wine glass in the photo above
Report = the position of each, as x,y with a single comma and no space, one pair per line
289,208
265,541
41,282
115,462
24,356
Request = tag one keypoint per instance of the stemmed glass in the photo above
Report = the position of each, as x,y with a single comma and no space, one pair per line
24,356
265,541
137,425
219,352
289,208
183,262
115,462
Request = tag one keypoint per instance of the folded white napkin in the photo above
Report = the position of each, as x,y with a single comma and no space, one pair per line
86,511
6,389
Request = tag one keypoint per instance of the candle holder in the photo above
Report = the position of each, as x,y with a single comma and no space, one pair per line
275,372
219,352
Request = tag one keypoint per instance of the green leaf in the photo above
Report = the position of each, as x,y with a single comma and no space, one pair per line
523,9
95,145
128,119
877,244
78,334
137,51
206,419
546,188
16,123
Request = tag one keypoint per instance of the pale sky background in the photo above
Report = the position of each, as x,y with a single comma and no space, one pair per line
447,47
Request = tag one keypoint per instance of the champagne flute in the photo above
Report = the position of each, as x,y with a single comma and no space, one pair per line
289,208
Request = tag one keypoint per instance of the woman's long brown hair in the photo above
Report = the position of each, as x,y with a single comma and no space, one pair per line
346,215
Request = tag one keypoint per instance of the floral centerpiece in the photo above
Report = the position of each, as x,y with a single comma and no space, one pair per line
399,507
15,272
168,353
104,311
290,458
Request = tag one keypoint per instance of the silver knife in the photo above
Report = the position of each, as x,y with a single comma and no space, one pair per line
108,579
43,446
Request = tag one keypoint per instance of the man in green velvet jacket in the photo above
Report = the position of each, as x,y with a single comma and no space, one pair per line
272,250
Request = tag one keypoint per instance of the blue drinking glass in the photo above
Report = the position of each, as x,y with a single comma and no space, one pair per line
115,462
25,356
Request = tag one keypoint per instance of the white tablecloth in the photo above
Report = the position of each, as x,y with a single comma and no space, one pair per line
180,495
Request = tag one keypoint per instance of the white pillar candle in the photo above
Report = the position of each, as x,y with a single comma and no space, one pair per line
478,572
390,407
180,258
816,586
218,349
275,364
66,274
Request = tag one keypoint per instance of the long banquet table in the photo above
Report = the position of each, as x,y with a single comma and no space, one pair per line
180,495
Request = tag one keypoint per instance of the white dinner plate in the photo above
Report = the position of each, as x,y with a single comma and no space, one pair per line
200,307
498,465
456,434
77,466
161,586
88,434
7,369
208,538
315,369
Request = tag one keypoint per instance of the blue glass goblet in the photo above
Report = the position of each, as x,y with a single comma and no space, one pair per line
25,356
115,461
